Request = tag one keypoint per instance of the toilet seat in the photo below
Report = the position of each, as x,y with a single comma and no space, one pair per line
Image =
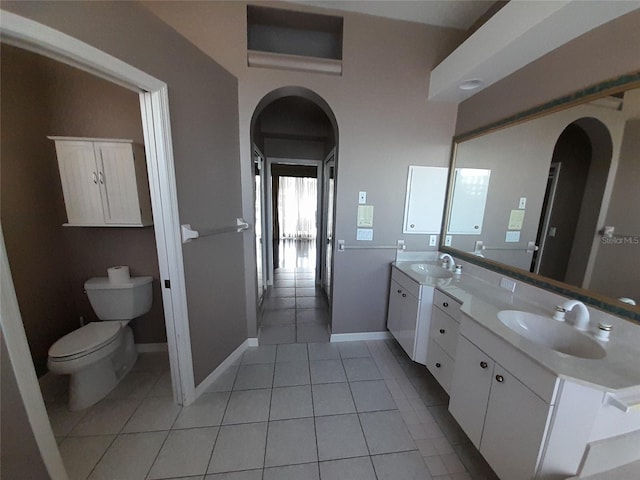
85,340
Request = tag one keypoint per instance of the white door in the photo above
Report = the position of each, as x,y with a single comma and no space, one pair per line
117,178
79,176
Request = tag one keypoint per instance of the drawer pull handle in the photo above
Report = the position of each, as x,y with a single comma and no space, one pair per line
438,365
483,365
442,331
445,304
404,294
499,378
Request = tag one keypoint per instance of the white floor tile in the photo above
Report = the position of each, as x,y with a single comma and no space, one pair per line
353,349
244,475
291,442
327,371
163,387
323,351
129,457
185,452
239,447
359,369
332,399
206,411
224,383
81,454
312,332
373,395
62,419
271,335
405,465
340,436
261,354
291,373
306,471
135,385
254,376
386,432
106,417
153,414
248,406
348,469
294,352
291,402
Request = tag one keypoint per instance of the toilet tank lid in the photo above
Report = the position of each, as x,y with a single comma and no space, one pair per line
87,338
103,283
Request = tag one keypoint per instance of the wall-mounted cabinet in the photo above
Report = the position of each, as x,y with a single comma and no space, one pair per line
424,204
104,182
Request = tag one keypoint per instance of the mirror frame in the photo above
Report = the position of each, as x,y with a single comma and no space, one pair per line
607,304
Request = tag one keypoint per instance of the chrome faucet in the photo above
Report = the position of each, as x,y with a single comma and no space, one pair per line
581,321
451,262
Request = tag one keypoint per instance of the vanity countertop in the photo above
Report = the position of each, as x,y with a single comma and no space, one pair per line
405,267
617,372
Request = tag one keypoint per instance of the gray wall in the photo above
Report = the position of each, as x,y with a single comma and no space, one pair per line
50,263
385,124
618,264
203,105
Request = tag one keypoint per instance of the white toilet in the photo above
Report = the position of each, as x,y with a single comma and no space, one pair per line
98,355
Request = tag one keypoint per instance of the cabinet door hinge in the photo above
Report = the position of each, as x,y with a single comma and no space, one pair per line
167,284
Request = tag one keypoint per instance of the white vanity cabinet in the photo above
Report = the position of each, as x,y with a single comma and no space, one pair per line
104,182
443,338
409,314
504,413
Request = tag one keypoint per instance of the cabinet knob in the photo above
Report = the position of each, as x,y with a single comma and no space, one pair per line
438,365
412,225
442,331
499,378
95,178
101,176
483,365
445,304
399,291
404,294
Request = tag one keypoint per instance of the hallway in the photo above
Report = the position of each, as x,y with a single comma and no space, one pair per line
295,310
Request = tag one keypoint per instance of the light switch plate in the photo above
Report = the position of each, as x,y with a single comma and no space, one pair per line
364,234
523,203
512,237
433,239
362,198
508,284
447,240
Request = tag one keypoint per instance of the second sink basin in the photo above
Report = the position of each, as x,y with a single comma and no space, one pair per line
551,333
430,270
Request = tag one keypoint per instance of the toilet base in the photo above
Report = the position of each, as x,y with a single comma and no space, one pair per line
94,382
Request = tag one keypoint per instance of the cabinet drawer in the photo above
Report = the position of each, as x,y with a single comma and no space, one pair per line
447,304
407,284
440,365
444,331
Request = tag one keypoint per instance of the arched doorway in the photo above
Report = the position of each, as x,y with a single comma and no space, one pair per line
573,200
294,140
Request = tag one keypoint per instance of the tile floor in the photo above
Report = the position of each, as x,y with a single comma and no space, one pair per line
294,310
348,411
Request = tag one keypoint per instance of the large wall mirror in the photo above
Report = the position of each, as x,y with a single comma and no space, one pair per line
553,198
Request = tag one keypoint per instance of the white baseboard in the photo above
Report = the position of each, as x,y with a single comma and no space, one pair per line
360,336
230,360
151,347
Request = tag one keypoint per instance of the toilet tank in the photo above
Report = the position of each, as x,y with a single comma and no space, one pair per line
119,301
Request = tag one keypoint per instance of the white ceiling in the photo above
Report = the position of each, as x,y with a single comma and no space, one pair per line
460,14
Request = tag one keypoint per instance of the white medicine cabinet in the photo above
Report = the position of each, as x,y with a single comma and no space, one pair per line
104,182
424,204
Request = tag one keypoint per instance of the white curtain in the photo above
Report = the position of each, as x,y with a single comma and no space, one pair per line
297,204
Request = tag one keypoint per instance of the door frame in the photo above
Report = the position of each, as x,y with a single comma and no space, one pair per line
554,173
269,211
154,105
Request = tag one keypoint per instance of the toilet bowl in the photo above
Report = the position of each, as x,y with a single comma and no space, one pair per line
98,355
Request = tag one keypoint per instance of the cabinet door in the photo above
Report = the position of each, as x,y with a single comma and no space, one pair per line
470,388
79,177
514,427
402,317
117,179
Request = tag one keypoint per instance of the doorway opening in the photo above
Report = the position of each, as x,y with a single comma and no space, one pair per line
294,142
572,203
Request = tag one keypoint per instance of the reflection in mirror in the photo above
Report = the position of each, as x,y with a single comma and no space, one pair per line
557,181
470,188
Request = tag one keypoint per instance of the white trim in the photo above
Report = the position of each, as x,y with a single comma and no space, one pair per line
25,373
151,347
230,360
299,63
360,336
162,182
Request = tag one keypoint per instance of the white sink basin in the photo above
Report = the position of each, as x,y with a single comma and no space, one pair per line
429,270
551,333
